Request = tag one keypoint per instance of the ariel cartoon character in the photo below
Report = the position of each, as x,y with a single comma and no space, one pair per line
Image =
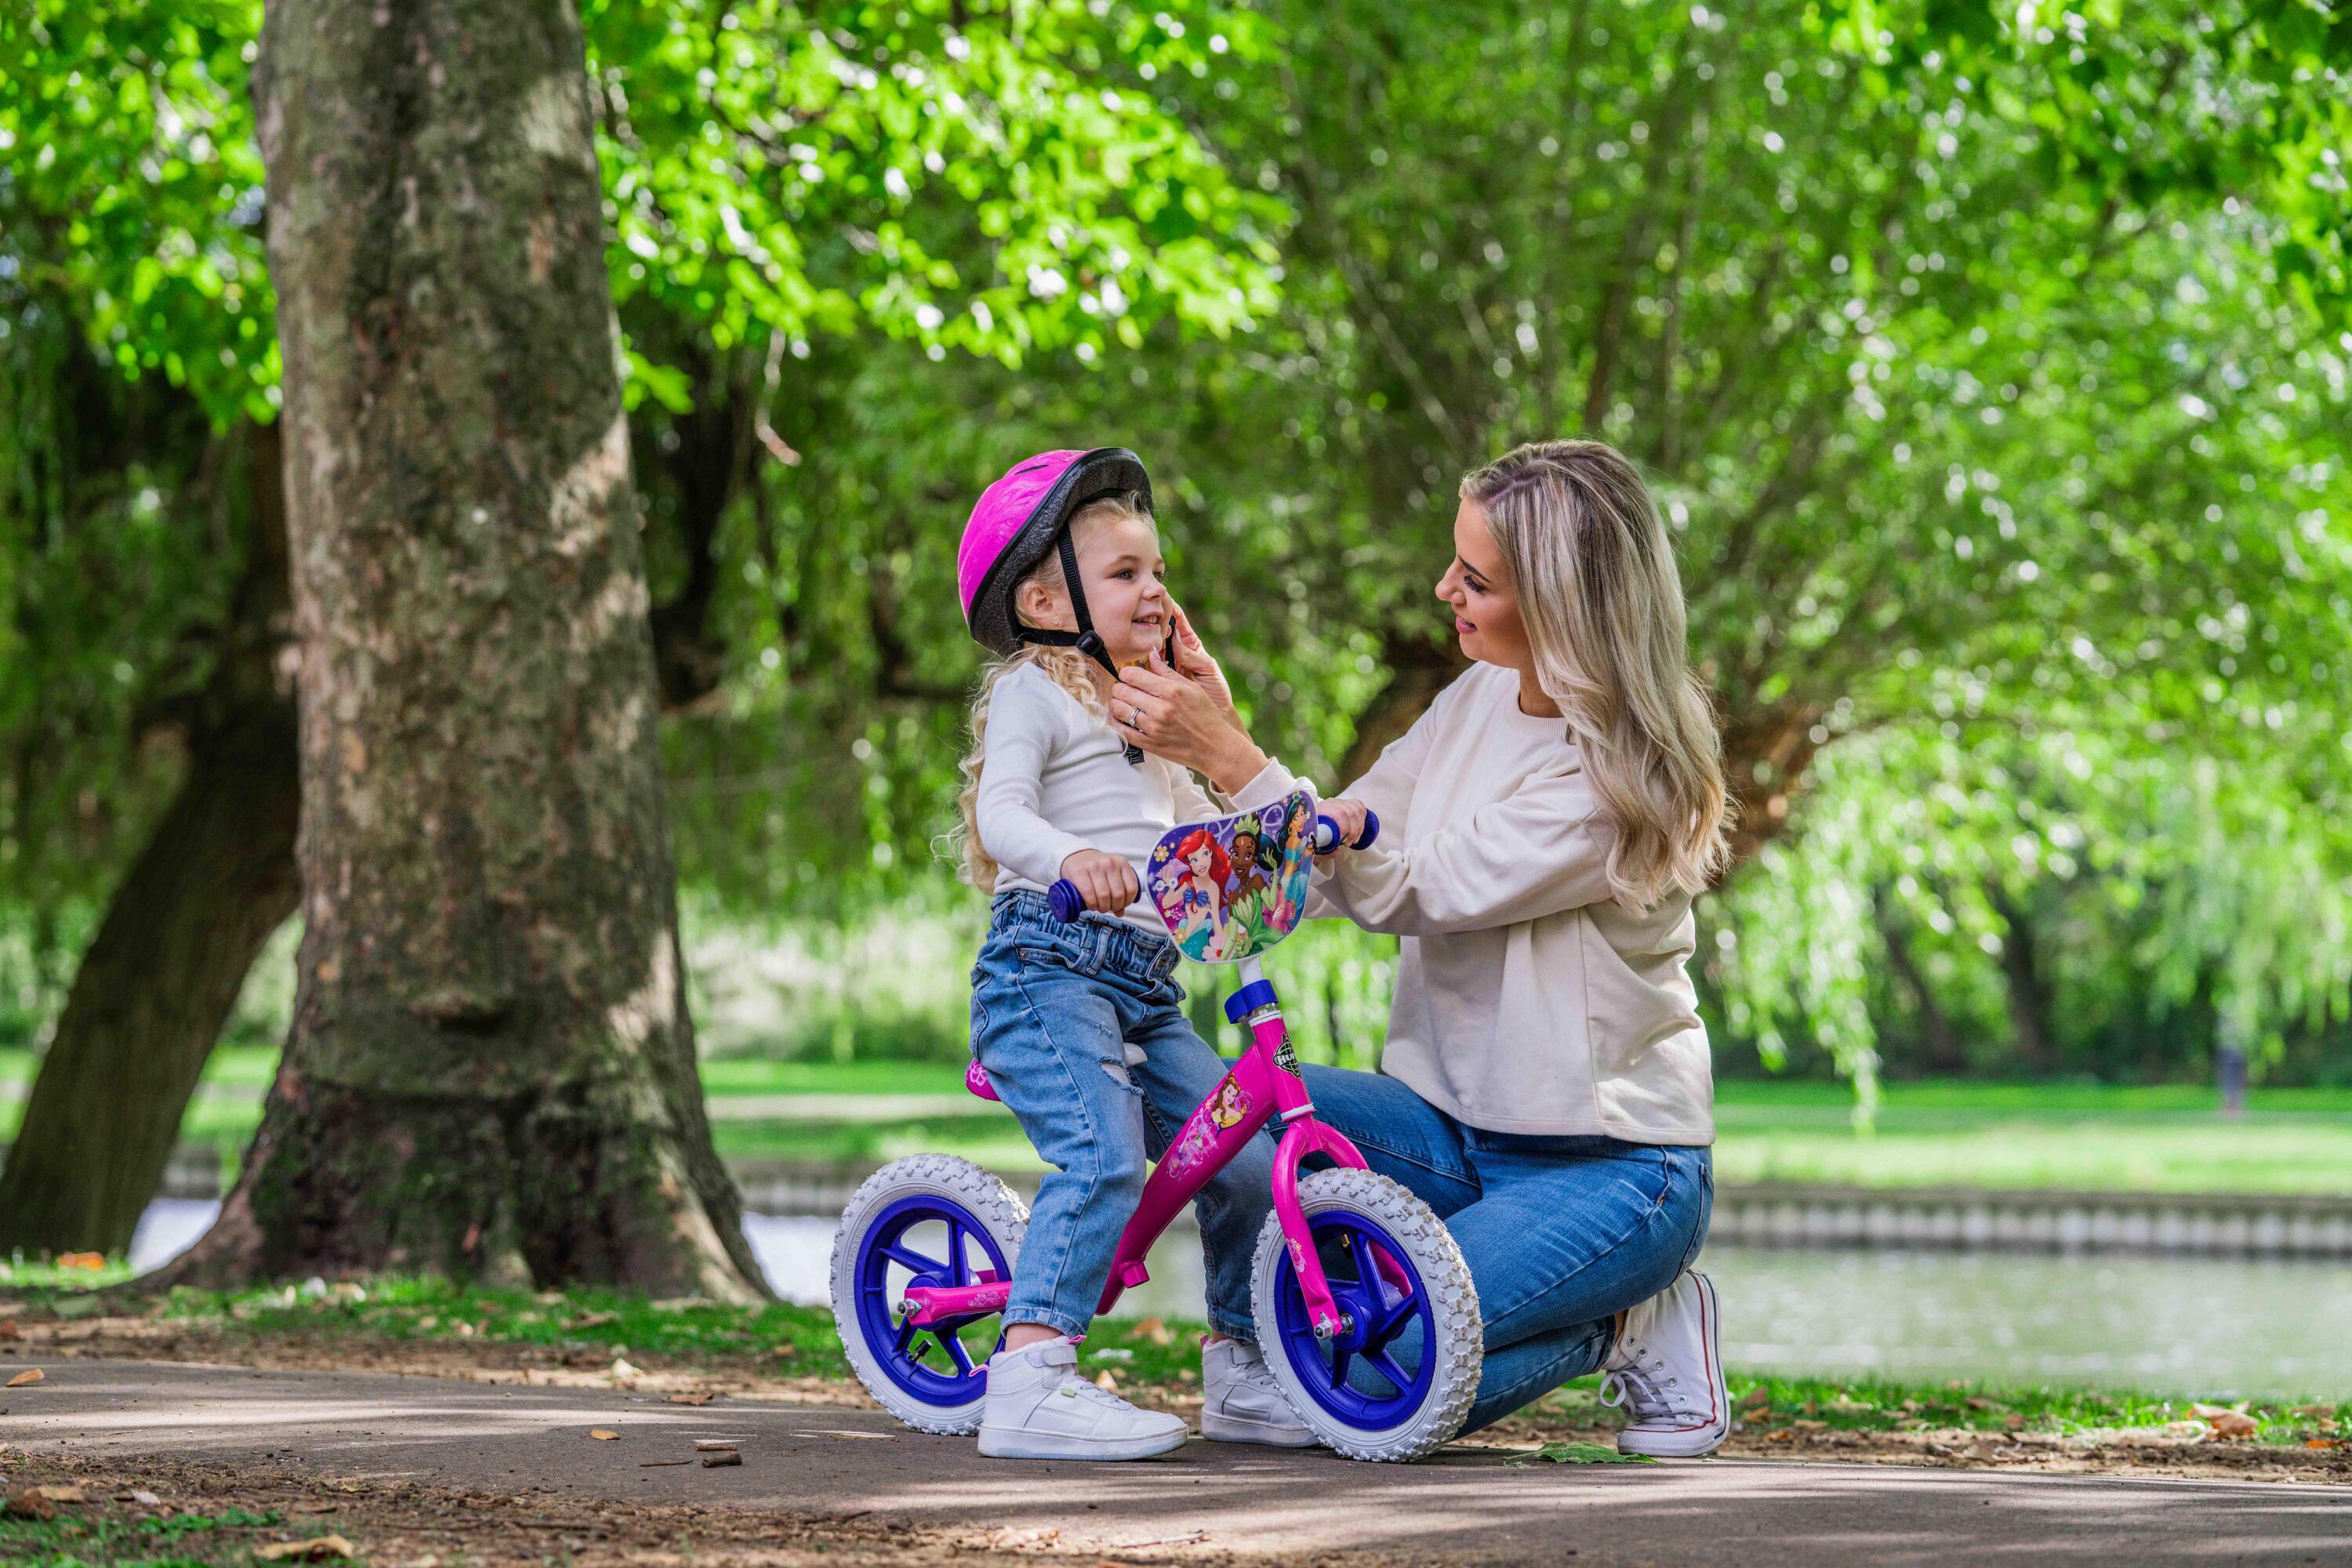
1200,872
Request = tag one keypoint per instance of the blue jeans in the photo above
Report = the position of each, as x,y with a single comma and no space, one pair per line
1081,1032
1561,1233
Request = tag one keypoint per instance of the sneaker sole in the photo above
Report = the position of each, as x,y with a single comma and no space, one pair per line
1698,1441
1232,1429
998,1443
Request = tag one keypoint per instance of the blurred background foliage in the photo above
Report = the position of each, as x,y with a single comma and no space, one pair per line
1990,364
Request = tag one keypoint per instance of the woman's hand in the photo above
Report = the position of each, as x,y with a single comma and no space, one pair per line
1187,721
1106,882
1195,664
1348,815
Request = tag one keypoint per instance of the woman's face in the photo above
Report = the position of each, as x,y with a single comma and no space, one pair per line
1485,612
1200,860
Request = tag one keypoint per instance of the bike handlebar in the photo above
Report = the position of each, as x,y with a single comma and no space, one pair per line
1067,903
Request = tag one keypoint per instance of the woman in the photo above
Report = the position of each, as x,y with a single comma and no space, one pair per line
1546,1084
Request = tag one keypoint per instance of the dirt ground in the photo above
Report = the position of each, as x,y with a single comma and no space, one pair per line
2147,1452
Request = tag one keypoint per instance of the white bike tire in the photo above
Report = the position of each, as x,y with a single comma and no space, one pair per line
1457,1344
983,1196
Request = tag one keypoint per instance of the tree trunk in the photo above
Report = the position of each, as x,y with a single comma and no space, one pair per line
158,983
1939,1043
152,994
491,1069
2030,999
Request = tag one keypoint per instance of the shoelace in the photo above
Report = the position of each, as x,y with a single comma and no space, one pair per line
1642,1395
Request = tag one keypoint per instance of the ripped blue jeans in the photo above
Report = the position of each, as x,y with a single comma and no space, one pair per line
1082,1031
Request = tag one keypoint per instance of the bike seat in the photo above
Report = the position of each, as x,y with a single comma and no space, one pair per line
977,1082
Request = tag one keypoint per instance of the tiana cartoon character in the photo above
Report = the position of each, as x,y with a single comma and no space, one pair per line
1254,860
1200,892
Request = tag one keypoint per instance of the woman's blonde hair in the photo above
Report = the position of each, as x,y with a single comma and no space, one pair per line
1594,575
1066,668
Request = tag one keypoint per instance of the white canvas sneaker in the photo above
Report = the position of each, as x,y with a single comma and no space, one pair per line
1038,1407
1666,1369
1240,1403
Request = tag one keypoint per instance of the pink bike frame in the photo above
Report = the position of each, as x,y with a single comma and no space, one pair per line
1267,1084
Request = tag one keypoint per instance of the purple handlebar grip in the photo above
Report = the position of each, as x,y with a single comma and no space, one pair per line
1068,904
1371,829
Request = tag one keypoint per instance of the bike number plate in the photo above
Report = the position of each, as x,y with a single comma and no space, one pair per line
1234,886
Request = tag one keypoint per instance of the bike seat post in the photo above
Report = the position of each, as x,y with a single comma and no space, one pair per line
1255,1005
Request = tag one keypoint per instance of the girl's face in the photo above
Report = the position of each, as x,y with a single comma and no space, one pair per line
1125,578
1485,612
1200,860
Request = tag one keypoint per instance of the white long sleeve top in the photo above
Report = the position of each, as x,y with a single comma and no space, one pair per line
1055,779
1527,999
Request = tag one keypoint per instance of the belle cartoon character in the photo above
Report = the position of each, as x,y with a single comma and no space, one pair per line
1201,894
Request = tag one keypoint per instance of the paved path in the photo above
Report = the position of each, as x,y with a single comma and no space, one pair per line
1466,1506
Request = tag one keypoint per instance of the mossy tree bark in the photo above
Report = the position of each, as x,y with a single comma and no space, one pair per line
490,1070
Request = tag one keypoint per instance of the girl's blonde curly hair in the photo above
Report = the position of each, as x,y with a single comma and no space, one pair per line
1066,668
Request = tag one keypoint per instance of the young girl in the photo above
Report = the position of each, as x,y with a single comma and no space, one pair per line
1061,577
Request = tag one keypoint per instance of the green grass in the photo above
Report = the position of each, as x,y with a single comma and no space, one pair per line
70,1542
2095,1137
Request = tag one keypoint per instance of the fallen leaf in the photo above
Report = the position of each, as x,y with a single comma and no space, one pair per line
30,1376
2325,1443
63,1494
785,1352
603,1433
622,1372
593,1321
318,1549
1979,1401
1004,1538
1106,1381
690,1398
2299,1410
713,1461
1758,1397
82,1260
1785,1434
8,1330
1581,1452
27,1503
2013,1421
1810,1426
2231,1424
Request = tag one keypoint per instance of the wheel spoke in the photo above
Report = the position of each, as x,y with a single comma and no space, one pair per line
1384,1322
908,1329
959,1253
907,1257
954,1342
1389,1369
1341,1355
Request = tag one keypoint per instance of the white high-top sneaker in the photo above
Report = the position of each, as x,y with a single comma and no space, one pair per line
1040,1408
1666,1369
1240,1400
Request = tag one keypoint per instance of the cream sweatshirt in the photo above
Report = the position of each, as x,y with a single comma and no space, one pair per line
1527,999
1055,779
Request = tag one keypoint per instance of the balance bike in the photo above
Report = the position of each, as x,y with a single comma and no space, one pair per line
1364,1304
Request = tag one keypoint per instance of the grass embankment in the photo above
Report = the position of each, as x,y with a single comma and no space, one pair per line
2091,1137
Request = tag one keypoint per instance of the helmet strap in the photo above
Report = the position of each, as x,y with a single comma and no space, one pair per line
1085,639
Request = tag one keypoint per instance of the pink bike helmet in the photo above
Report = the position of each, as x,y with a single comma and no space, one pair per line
1017,522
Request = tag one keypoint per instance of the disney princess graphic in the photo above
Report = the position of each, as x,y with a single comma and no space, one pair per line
1225,1109
1255,861
1192,896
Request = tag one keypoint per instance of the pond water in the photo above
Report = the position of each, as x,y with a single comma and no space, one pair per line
2205,1327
